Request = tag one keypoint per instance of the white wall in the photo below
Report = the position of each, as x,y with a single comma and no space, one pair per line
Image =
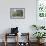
23,24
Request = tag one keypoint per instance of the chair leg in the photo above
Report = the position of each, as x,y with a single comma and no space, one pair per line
5,43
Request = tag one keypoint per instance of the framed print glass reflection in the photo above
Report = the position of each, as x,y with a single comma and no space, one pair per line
17,13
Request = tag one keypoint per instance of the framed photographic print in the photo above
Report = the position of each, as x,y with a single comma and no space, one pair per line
17,13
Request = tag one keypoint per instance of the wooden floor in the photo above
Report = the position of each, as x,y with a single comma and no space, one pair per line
13,44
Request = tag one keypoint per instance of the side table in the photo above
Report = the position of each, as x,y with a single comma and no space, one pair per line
8,34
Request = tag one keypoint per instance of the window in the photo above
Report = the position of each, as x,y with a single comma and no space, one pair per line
41,8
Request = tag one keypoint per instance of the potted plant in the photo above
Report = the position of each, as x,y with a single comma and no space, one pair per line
38,27
35,26
42,27
39,35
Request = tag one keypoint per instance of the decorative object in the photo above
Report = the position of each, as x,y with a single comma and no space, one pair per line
17,13
14,30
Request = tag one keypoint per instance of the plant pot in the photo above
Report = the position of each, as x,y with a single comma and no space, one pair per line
40,40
